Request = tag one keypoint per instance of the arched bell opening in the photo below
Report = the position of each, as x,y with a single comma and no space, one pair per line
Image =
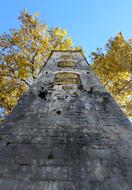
67,78
64,64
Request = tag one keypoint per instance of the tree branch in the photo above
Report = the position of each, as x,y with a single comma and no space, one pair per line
25,82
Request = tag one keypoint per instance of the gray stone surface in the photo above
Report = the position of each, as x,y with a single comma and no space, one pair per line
66,137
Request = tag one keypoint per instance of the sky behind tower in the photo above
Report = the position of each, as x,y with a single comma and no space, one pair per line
89,23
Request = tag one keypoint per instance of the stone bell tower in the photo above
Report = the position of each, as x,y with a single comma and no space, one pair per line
66,133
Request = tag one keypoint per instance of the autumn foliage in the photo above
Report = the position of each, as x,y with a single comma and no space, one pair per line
114,68
23,52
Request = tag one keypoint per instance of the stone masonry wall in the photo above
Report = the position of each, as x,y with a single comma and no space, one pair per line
66,139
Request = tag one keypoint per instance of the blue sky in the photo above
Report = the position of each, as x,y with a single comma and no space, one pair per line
90,23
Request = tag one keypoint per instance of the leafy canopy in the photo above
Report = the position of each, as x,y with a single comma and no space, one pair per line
23,52
114,68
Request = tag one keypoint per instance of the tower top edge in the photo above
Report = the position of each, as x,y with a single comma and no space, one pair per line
65,51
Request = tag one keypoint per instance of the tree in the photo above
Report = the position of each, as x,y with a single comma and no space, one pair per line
114,68
23,52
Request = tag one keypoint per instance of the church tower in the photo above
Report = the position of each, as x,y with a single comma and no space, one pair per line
66,133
